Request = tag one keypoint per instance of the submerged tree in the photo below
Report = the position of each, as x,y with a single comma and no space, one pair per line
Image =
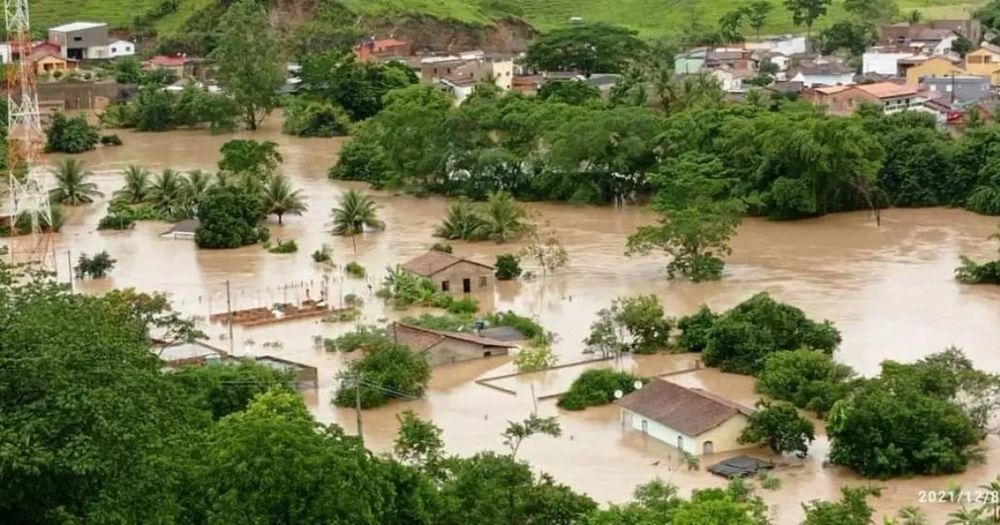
694,228
72,187
95,267
549,253
355,213
280,199
780,427
136,188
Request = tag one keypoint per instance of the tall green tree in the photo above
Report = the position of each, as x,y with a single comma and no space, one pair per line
757,14
355,213
70,135
228,217
250,64
72,186
166,194
588,48
805,12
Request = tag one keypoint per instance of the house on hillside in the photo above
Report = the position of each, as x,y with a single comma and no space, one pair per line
175,63
442,347
120,48
821,72
382,49
47,62
452,273
81,40
884,60
466,70
916,69
845,100
690,419
936,35
984,62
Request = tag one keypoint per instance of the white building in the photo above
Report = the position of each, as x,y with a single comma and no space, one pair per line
120,48
786,45
689,419
884,60
822,73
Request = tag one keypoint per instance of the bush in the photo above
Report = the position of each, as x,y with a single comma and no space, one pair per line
387,370
465,305
355,270
95,267
225,388
971,272
360,161
597,387
695,329
310,118
780,427
111,140
288,246
529,327
363,338
535,358
508,266
741,339
441,247
71,135
323,254
116,221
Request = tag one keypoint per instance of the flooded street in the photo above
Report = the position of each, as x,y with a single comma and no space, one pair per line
890,290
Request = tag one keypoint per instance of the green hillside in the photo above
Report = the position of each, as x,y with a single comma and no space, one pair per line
649,17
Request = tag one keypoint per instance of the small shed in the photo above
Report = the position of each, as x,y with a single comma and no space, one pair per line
305,376
182,230
740,467
452,273
193,353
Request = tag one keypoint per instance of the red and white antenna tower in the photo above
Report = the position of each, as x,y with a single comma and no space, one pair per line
27,191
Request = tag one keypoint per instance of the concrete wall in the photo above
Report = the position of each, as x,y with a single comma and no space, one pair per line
722,438
79,95
480,279
454,351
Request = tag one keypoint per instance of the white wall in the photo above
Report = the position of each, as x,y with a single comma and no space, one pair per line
661,432
121,48
503,71
882,63
827,80
785,46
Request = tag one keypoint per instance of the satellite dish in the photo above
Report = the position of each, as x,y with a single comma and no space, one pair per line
618,394
637,385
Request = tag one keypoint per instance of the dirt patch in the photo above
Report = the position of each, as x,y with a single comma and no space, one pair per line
509,35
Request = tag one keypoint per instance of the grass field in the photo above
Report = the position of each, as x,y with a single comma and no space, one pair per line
649,17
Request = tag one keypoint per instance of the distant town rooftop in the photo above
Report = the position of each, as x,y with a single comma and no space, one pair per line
77,26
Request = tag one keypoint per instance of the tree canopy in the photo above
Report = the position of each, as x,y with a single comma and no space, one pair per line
588,48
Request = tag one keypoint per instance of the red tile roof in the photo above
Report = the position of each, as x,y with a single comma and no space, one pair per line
887,89
434,261
420,339
167,60
690,411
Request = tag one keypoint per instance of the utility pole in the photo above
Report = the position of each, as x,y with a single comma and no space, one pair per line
69,264
357,405
953,89
229,314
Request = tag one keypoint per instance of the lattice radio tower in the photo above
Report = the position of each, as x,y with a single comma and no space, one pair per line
27,191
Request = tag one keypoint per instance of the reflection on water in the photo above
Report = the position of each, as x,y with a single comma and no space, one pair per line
890,291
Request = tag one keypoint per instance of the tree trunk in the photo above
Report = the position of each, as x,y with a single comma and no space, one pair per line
279,219
354,242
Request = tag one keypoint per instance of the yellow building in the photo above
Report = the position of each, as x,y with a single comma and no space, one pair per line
47,62
984,62
936,66
690,419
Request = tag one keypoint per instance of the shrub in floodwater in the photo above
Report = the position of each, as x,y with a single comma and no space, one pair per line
355,270
323,254
597,387
285,247
95,267
508,266
441,247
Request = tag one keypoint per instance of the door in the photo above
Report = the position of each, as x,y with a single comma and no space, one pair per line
466,285
645,426
708,447
680,443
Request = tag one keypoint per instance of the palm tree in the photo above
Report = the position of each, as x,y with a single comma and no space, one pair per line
136,187
462,222
355,213
167,193
969,516
193,186
279,198
71,184
505,219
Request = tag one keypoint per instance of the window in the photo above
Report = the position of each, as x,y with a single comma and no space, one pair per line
445,285
708,447
77,38
114,49
483,281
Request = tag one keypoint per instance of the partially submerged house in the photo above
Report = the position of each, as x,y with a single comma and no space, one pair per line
452,273
442,347
690,419
185,229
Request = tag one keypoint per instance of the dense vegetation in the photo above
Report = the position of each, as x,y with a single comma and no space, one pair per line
971,272
780,427
597,387
631,324
386,370
156,109
70,135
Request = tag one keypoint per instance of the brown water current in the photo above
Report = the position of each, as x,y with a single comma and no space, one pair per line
889,289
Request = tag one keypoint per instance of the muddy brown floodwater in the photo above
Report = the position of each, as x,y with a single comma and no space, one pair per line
889,290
